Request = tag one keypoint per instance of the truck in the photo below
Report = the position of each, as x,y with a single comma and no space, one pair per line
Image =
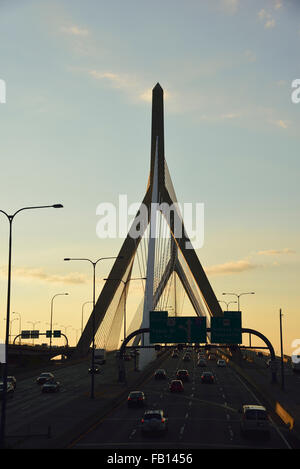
100,356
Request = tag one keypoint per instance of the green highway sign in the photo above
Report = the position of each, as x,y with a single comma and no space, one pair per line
56,333
34,334
25,334
227,329
176,330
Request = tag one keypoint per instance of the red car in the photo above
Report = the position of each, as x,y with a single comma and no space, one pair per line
176,385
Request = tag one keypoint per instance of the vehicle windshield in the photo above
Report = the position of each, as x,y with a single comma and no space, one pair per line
152,416
254,414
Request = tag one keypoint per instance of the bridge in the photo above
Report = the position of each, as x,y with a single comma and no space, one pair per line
170,271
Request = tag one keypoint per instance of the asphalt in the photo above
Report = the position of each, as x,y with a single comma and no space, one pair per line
74,420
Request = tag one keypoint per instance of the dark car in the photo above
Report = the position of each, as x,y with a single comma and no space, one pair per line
201,362
9,390
12,380
136,399
44,377
51,386
187,357
207,377
176,385
183,375
154,421
175,355
94,370
160,374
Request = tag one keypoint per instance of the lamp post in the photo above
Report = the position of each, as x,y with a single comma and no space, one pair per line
94,263
227,304
33,327
10,220
51,316
20,326
238,297
125,292
281,350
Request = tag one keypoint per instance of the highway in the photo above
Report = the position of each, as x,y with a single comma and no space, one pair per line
203,416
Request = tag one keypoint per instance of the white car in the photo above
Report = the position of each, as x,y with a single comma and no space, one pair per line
254,419
221,363
154,421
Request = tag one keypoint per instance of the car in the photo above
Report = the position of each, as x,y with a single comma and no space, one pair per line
154,421
207,377
183,375
97,369
211,356
9,390
201,362
160,374
12,380
175,355
176,385
51,385
221,363
254,419
44,377
187,357
136,399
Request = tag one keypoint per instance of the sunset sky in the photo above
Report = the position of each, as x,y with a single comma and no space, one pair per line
75,130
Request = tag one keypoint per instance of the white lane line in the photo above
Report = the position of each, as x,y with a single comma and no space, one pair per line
182,430
258,401
132,433
186,415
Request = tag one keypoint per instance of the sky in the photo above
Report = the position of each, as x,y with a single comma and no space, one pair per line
75,129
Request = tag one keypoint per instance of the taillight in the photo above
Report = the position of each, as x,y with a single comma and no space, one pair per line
163,419
140,399
129,398
142,420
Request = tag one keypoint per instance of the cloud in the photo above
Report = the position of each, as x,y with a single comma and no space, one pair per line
275,252
74,30
267,18
230,6
232,267
39,274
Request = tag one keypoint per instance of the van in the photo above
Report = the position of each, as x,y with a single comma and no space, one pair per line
254,420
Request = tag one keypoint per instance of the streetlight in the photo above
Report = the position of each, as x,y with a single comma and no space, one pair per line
82,308
281,349
94,263
10,328
238,296
33,327
227,304
10,220
57,294
20,327
125,293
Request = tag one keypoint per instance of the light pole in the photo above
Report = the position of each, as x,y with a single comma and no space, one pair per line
238,297
10,220
10,328
281,349
82,308
51,316
94,263
33,327
20,326
227,304
125,293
